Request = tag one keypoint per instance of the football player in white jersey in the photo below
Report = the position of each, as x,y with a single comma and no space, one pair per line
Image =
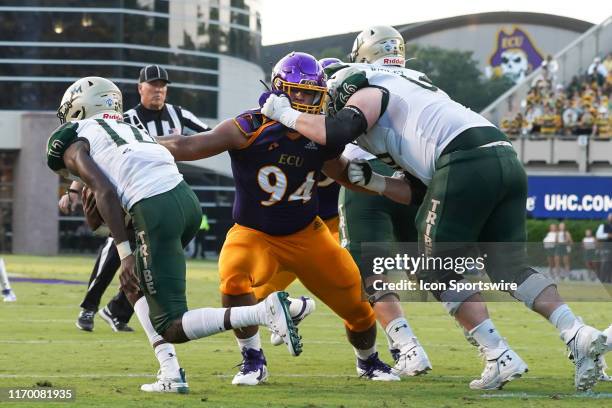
7,293
126,170
477,189
374,218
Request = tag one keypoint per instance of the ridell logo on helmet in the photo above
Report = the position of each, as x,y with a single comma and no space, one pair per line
393,61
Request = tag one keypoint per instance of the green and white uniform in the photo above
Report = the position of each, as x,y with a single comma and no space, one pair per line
165,212
476,184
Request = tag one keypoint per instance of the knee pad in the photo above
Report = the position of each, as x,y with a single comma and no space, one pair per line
375,296
531,287
452,300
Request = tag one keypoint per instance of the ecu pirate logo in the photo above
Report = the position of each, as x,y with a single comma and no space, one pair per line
515,55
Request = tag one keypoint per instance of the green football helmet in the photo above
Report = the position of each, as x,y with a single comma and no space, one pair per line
91,96
379,45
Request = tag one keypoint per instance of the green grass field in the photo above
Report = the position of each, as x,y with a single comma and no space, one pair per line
40,344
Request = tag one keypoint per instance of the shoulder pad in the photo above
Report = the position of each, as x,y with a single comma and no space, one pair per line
58,142
342,84
250,121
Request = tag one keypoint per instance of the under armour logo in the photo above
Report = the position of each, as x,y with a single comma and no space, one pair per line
491,330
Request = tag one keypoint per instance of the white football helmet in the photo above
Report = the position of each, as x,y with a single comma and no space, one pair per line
380,45
91,96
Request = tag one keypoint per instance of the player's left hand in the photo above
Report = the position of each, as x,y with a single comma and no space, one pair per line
128,278
279,108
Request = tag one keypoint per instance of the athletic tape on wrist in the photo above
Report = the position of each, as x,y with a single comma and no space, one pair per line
124,250
289,117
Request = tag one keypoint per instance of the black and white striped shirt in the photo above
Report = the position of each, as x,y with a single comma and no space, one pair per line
170,120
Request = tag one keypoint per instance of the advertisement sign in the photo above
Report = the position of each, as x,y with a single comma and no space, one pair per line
569,197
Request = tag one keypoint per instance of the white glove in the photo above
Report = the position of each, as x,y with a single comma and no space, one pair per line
360,173
279,108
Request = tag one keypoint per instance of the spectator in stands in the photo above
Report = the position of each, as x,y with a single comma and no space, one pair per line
552,68
551,122
586,121
563,248
601,128
570,118
604,237
550,241
589,250
597,71
607,63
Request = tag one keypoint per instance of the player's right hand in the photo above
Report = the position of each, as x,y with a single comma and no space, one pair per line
361,174
67,205
92,216
128,278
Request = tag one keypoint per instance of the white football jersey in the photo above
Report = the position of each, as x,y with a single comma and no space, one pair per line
134,163
354,152
419,122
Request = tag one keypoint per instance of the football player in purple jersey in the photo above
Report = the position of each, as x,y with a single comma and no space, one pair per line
277,226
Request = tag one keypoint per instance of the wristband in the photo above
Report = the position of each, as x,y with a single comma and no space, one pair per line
377,183
124,250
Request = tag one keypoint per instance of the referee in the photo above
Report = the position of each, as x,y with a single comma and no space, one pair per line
156,116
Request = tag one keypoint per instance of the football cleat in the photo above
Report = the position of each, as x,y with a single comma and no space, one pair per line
308,306
113,322
603,376
8,295
279,321
167,384
500,370
608,333
375,370
395,354
253,369
85,320
586,347
412,360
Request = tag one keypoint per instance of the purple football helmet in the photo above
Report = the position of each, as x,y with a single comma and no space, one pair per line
301,72
325,62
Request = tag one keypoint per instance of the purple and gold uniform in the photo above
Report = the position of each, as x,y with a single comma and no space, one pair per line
277,227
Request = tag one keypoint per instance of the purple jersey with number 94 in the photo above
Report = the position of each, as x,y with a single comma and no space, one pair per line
276,176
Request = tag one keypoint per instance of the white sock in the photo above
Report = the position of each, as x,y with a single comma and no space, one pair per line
564,320
4,282
365,354
141,308
390,343
608,333
253,342
400,331
165,352
206,321
295,307
245,316
166,355
488,337
203,322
